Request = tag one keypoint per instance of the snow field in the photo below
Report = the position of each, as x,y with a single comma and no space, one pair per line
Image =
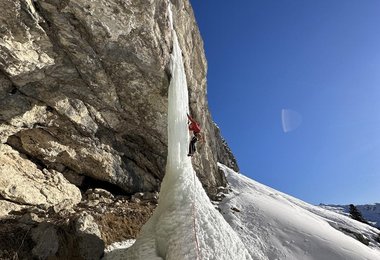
274,225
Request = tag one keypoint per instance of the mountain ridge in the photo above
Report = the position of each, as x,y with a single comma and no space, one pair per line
371,212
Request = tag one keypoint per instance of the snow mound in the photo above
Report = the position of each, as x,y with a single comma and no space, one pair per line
119,245
279,226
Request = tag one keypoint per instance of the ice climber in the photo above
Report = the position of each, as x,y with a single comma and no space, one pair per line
194,126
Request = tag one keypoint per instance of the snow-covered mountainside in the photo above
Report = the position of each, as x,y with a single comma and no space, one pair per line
273,225
279,226
371,212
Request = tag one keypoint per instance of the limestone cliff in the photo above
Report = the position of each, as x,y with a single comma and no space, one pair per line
83,94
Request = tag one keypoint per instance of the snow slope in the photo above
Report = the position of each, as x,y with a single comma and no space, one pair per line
185,224
371,212
282,227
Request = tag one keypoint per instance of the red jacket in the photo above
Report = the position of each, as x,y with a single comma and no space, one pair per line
194,126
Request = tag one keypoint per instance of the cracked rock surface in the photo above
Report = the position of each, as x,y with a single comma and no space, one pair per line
21,182
83,92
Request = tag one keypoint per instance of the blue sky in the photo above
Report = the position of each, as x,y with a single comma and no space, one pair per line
318,58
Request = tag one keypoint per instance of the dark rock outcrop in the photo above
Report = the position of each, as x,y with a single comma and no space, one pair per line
83,89
78,239
82,232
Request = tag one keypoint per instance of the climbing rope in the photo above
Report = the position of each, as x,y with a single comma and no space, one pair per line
194,222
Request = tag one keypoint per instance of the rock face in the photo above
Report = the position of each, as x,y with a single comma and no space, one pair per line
22,182
6,207
83,91
90,244
80,240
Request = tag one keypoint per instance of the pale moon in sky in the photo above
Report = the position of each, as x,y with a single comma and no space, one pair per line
290,119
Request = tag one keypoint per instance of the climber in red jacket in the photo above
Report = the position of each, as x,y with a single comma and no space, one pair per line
194,126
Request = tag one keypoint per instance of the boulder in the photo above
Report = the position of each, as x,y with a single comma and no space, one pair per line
90,243
46,240
145,196
22,182
79,238
99,195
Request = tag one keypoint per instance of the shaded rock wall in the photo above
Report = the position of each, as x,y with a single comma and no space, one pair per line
83,89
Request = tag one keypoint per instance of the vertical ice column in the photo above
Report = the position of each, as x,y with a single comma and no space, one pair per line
185,224
177,108
169,233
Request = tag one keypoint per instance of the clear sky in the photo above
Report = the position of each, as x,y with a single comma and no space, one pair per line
321,60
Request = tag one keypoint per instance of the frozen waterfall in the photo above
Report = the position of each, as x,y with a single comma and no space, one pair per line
185,225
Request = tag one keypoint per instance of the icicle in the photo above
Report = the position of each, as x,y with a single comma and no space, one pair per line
170,15
178,108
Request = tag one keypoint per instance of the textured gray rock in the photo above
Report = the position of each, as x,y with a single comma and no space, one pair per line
89,240
7,206
46,241
84,85
22,182
77,239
